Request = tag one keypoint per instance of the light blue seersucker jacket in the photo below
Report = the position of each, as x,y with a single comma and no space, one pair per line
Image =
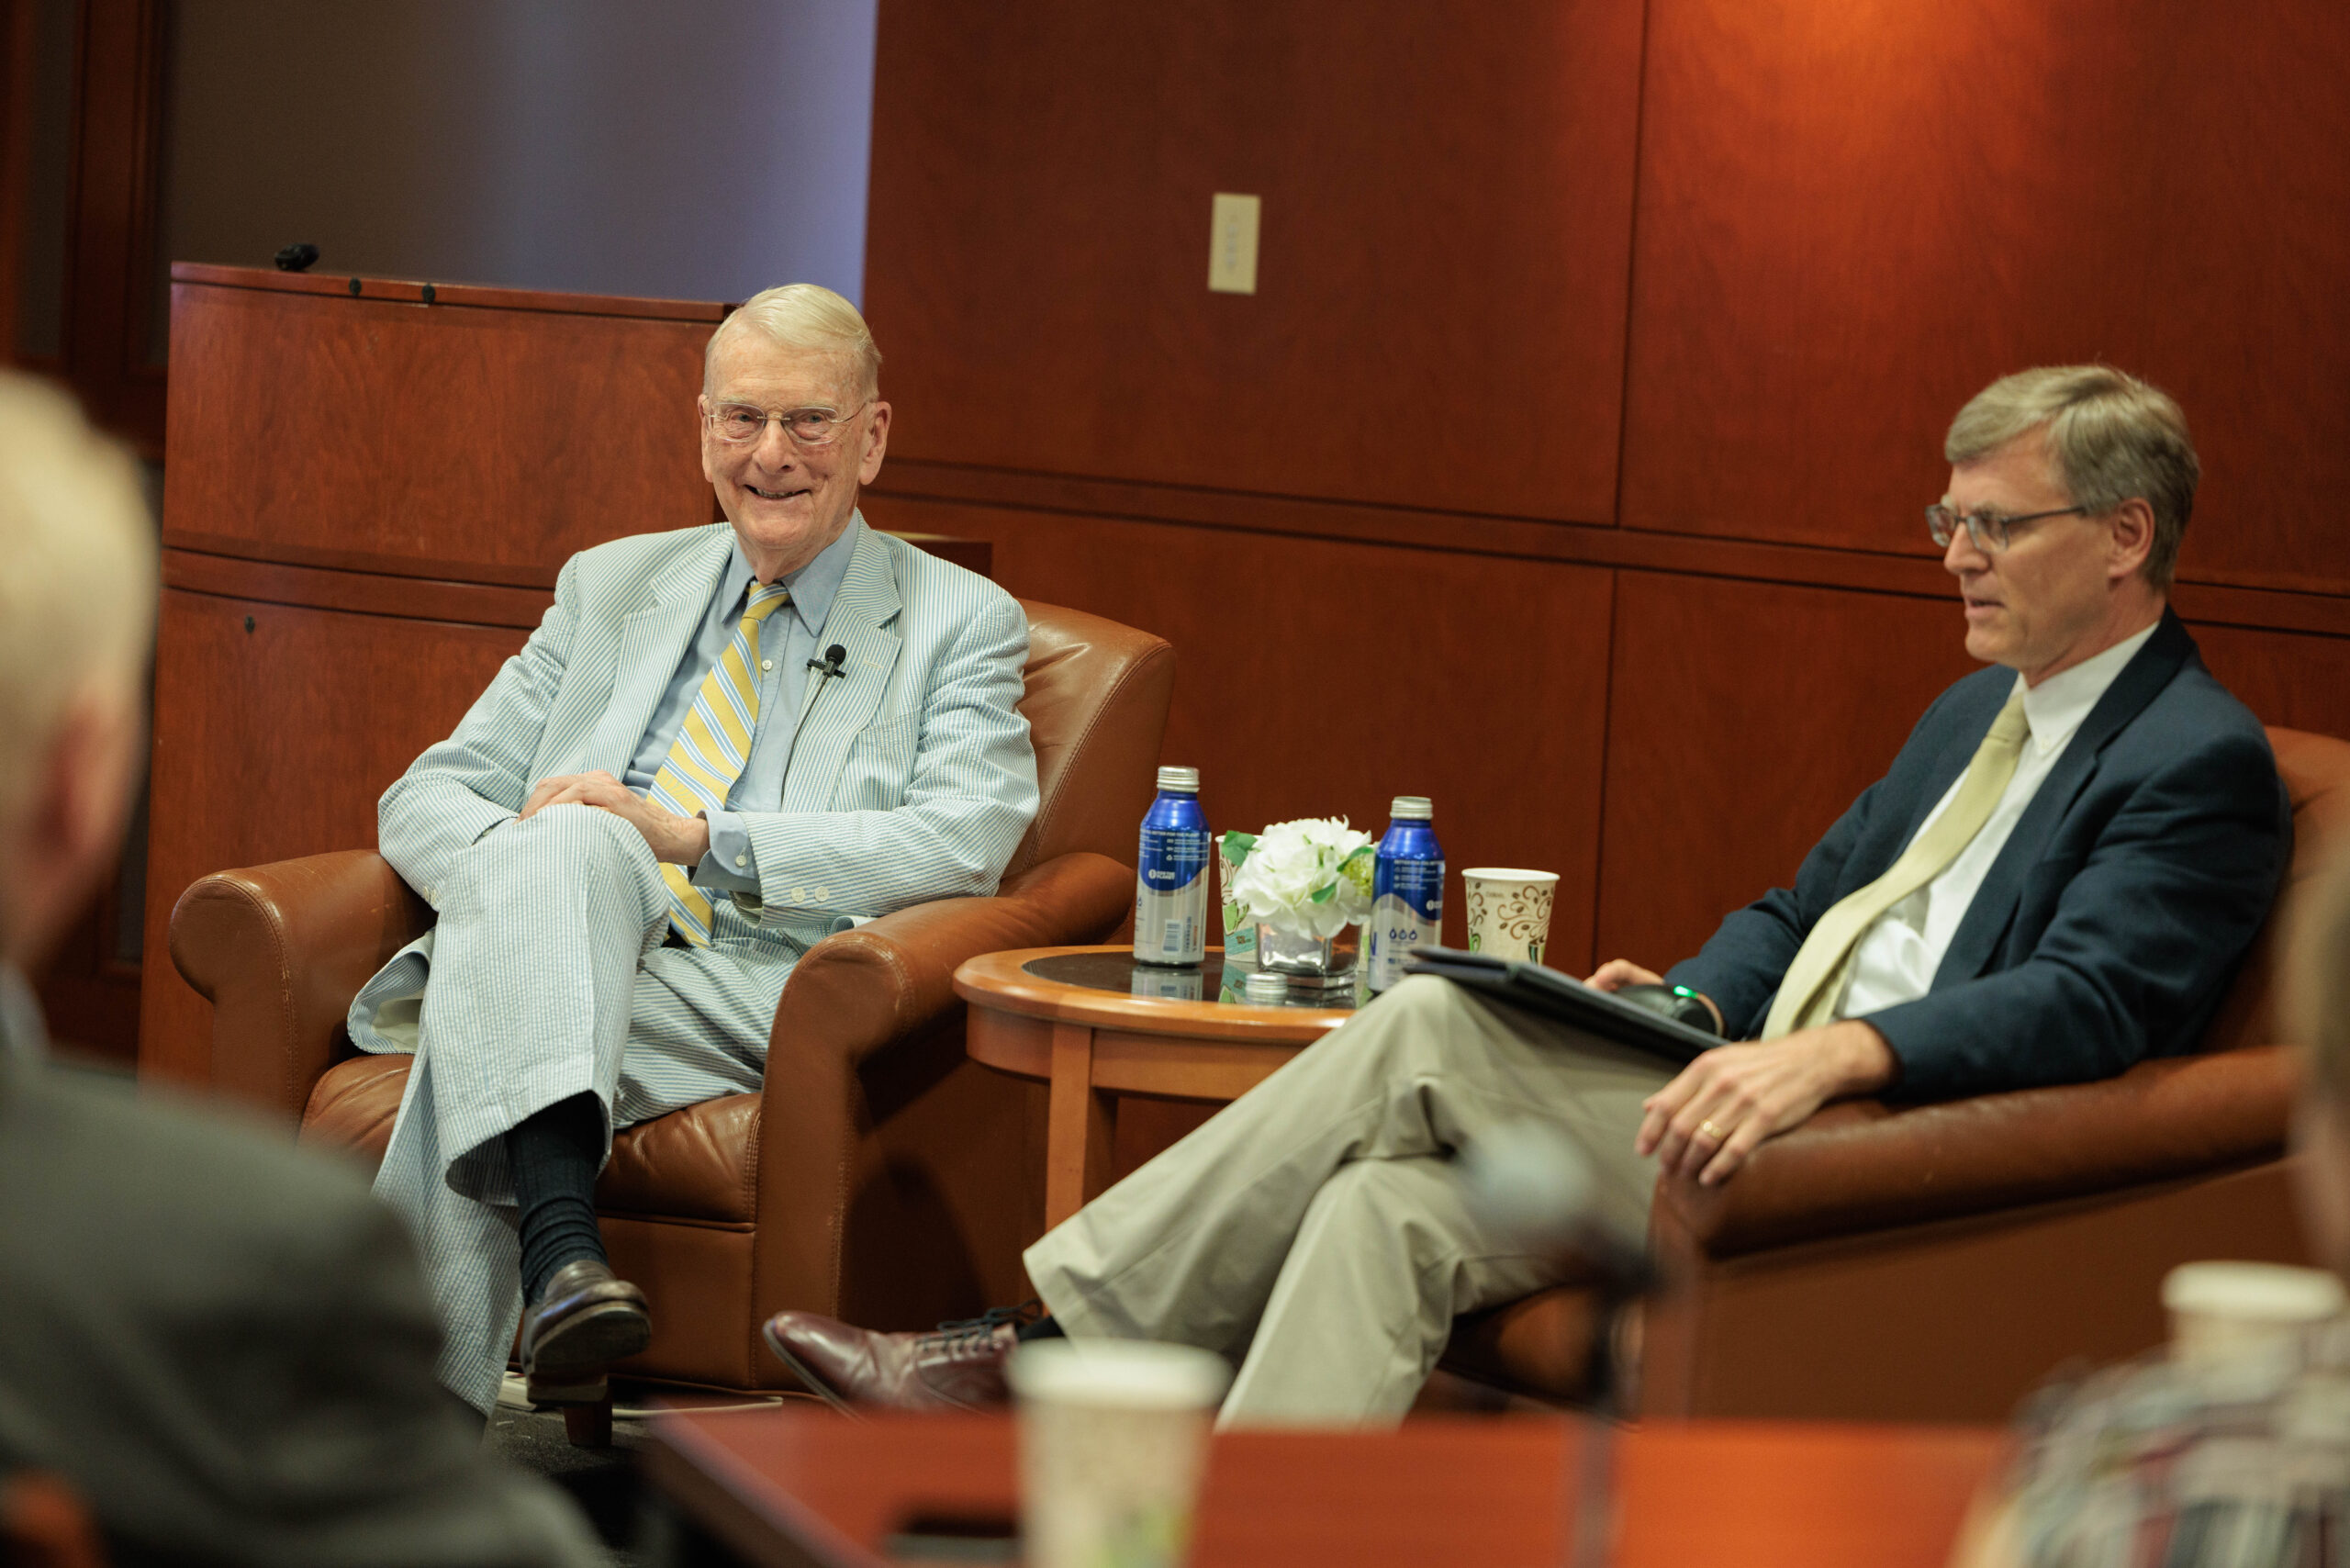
912,777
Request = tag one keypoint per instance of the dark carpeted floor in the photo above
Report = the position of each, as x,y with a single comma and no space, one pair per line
605,1482
602,1480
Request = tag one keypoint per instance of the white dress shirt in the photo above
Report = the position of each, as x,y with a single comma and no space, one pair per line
1897,959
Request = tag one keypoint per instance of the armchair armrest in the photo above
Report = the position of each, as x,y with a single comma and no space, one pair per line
1863,1166
280,950
883,996
858,991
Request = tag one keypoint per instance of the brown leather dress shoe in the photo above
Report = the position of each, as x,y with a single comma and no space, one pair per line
958,1366
585,1320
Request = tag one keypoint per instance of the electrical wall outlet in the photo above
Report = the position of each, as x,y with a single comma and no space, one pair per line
1231,243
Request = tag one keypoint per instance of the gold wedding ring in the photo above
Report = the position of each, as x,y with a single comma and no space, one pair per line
1710,1130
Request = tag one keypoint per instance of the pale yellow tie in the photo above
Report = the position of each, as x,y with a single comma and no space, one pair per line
711,747
1815,982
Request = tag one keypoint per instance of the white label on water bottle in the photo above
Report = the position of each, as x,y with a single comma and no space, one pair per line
1171,896
1406,916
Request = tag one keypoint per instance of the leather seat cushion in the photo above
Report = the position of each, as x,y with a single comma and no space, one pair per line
700,1164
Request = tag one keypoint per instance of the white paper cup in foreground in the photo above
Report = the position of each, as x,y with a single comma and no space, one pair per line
1114,1436
2246,1313
1509,911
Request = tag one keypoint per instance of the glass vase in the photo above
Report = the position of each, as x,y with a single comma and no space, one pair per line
1310,962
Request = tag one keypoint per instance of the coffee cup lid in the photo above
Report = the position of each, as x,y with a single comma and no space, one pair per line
1129,1373
2266,1293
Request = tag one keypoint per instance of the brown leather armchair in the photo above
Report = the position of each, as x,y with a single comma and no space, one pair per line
1935,1262
879,1175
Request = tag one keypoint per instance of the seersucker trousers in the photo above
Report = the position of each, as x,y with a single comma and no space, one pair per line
1314,1231
548,978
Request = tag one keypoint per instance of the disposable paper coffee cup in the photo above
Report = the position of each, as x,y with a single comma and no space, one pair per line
2244,1314
1509,911
1114,1436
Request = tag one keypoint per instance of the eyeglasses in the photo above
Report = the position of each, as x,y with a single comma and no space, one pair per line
736,423
1991,532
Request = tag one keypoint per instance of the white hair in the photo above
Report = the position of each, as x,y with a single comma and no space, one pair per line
77,568
806,315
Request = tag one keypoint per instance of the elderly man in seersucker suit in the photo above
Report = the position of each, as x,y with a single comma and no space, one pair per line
721,744
220,1342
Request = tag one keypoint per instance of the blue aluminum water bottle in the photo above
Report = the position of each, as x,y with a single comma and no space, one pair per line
1171,874
1407,890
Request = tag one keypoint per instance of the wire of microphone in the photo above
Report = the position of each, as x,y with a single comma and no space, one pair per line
1531,1184
832,663
1533,1187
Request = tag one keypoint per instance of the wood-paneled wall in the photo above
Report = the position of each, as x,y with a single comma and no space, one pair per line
1567,465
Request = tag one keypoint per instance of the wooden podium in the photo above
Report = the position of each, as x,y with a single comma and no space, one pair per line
369,487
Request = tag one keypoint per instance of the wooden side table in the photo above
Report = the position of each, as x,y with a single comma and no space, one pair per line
1070,1017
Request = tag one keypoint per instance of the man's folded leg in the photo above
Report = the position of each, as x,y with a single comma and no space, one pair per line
1389,1254
526,1006
546,964
1191,1246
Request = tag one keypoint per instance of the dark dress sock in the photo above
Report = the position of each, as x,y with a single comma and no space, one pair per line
554,1155
1044,1327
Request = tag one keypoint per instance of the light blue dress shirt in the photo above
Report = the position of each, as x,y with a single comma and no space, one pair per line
730,864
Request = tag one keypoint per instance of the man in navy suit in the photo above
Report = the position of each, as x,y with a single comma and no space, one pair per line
2054,880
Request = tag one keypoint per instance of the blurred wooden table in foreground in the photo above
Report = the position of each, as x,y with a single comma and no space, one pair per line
807,1487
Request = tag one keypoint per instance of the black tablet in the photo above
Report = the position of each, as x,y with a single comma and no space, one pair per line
1564,997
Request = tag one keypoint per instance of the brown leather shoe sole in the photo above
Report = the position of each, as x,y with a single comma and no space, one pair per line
814,1385
589,1340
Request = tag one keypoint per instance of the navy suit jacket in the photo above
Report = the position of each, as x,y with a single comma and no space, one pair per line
2109,923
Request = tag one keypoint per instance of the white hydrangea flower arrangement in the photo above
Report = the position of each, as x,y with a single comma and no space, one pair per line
1311,877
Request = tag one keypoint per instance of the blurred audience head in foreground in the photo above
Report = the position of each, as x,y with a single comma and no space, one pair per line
218,1346
77,609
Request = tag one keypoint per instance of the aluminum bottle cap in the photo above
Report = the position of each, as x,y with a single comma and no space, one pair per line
1411,808
1185,780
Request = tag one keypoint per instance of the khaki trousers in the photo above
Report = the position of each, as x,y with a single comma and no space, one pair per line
1314,1231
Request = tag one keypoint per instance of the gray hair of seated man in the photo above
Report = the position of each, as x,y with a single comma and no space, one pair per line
808,317
2113,438
77,569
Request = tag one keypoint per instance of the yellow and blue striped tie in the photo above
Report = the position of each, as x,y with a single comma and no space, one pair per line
711,747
